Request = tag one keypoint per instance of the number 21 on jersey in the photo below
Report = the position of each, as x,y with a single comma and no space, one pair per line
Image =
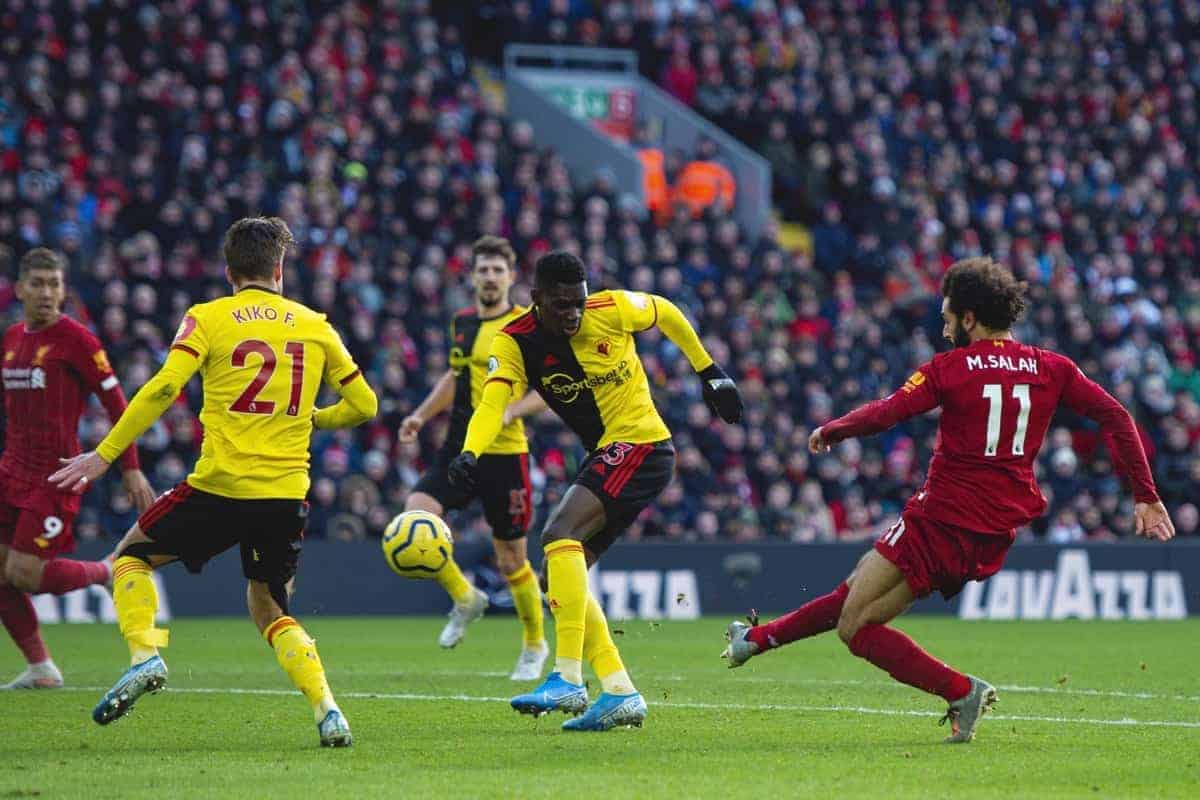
994,394
248,402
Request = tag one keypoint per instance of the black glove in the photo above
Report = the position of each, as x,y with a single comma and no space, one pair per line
721,394
462,469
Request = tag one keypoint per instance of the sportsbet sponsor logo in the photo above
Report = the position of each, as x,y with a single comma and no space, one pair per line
1074,590
566,389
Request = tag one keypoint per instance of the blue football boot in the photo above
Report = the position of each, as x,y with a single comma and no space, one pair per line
148,677
555,694
611,711
334,730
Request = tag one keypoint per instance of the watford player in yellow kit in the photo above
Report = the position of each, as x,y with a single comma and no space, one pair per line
578,353
504,488
262,359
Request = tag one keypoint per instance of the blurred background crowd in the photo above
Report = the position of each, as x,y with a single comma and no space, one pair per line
1060,137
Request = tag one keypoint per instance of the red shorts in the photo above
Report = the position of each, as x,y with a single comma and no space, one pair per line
936,556
41,525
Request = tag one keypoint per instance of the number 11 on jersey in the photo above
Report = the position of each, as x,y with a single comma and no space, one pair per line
994,394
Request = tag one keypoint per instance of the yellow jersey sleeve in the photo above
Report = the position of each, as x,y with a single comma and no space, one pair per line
506,364
638,310
192,337
340,368
154,398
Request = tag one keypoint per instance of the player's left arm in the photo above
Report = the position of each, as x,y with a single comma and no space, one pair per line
640,311
505,378
358,401
918,395
146,407
1088,398
93,367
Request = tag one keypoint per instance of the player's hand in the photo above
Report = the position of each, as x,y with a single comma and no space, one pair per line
817,443
509,417
462,469
1152,521
721,394
78,473
410,426
140,492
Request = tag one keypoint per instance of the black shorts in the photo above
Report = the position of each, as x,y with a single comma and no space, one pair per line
627,478
196,526
503,488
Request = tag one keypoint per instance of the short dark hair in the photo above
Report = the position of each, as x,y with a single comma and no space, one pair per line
39,258
255,245
559,268
987,289
496,246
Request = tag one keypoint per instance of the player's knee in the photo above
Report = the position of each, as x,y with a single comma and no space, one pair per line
556,531
508,561
262,601
23,575
848,625
419,501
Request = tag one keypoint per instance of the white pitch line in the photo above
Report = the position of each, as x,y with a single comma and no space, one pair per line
650,676
888,712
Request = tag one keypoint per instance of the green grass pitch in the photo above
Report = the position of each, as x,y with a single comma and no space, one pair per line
1085,710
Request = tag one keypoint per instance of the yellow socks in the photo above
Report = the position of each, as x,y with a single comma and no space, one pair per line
601,652
297,654
136,601
527,598
455,583
566,575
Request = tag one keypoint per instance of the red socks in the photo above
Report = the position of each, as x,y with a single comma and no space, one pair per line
16,612
903,659
64,575
815,616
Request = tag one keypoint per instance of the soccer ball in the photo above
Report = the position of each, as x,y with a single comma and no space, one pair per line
417,544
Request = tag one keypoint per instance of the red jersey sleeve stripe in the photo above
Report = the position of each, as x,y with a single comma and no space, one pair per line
501,380
350,377
185,349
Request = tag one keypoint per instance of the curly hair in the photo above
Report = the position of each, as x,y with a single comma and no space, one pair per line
557,268
987,289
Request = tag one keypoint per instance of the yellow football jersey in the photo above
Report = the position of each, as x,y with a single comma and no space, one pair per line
471,341
262,359
594,380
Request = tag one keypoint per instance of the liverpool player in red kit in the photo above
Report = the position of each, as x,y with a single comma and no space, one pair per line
997,397
51,364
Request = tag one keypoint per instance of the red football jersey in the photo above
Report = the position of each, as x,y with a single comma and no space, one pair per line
47,377
997,398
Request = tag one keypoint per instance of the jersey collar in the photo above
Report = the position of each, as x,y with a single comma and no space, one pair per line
257,287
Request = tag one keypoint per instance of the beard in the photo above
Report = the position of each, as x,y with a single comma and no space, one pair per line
960,336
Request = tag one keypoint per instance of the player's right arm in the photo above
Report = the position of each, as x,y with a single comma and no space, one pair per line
438,400
918,395
1088,398
358,402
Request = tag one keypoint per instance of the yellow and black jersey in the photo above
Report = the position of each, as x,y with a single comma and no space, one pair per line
263,359
471,340
594,379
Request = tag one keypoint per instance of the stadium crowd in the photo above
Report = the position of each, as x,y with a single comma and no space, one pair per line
1060,138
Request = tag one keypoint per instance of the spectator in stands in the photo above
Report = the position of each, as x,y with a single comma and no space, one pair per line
1049,138
704,183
